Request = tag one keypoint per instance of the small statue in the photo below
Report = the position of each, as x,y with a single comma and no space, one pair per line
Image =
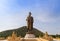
29,22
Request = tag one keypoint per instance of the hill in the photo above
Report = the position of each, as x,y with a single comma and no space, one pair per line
20,32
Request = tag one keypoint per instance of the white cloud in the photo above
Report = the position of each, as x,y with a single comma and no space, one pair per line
15,17
11,19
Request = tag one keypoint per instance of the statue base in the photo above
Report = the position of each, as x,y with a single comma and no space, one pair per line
29,34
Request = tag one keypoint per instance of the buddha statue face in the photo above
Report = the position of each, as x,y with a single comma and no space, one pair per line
29,13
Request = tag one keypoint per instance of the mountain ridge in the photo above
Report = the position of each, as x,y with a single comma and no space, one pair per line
21,31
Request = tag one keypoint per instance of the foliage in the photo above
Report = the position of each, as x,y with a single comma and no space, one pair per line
20,32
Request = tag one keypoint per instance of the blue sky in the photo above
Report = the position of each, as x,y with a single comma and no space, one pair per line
46,14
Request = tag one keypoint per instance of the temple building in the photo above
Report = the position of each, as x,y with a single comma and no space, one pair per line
47,37
13,37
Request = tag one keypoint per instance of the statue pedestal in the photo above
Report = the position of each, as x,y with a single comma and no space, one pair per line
29,34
